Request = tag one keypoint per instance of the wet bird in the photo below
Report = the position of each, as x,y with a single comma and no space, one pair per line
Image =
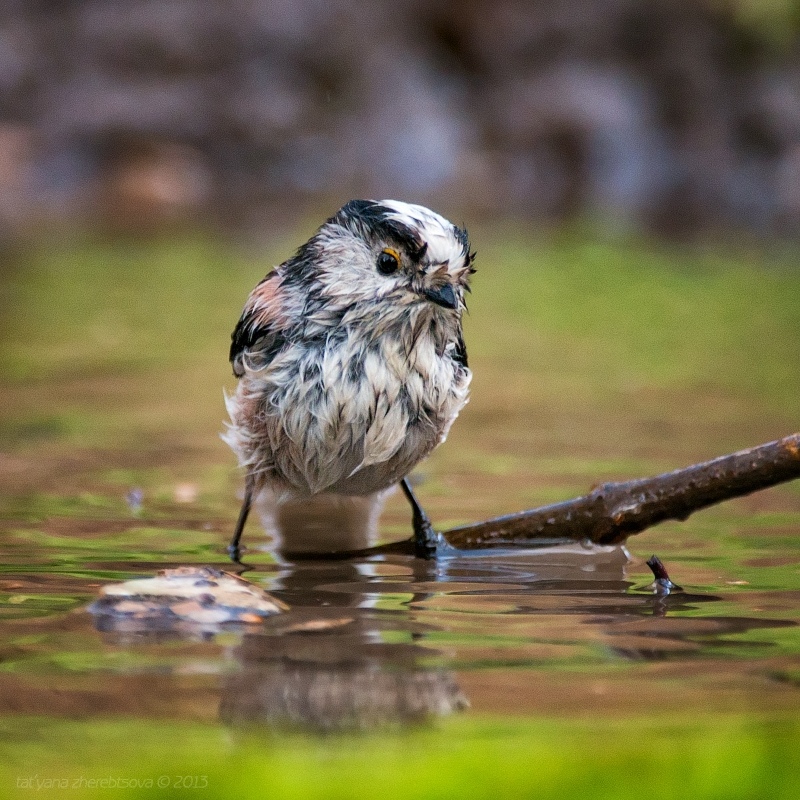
352,368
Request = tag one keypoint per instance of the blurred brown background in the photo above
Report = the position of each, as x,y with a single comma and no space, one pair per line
675,116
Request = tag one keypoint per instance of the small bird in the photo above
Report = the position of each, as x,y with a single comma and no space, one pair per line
352,368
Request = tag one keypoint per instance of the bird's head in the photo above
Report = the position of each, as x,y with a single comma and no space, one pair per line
384,257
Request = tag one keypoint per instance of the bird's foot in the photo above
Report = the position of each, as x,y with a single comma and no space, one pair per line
235,555
234,552
234,549
426,540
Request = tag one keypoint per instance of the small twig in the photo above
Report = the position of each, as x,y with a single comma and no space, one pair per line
657,568
613,511
662,584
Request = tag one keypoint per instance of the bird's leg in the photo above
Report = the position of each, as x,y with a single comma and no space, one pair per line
425,537
233,547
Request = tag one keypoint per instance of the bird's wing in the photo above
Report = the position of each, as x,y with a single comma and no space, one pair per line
260,330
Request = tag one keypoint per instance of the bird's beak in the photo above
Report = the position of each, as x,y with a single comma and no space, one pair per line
444,296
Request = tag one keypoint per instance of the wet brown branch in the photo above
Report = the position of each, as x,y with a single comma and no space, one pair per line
613,511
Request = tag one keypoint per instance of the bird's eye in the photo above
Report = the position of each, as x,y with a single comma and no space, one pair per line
388,261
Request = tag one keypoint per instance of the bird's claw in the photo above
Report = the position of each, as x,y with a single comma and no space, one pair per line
426,540
234,553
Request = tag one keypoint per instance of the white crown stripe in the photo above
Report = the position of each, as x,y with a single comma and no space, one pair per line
435,229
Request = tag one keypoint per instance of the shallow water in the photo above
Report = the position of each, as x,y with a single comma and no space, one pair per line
570,632
394,639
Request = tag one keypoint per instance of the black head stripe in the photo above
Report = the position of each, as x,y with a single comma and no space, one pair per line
463,238
370,220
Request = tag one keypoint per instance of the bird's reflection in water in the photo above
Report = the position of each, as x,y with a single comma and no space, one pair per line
331,682
337,661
